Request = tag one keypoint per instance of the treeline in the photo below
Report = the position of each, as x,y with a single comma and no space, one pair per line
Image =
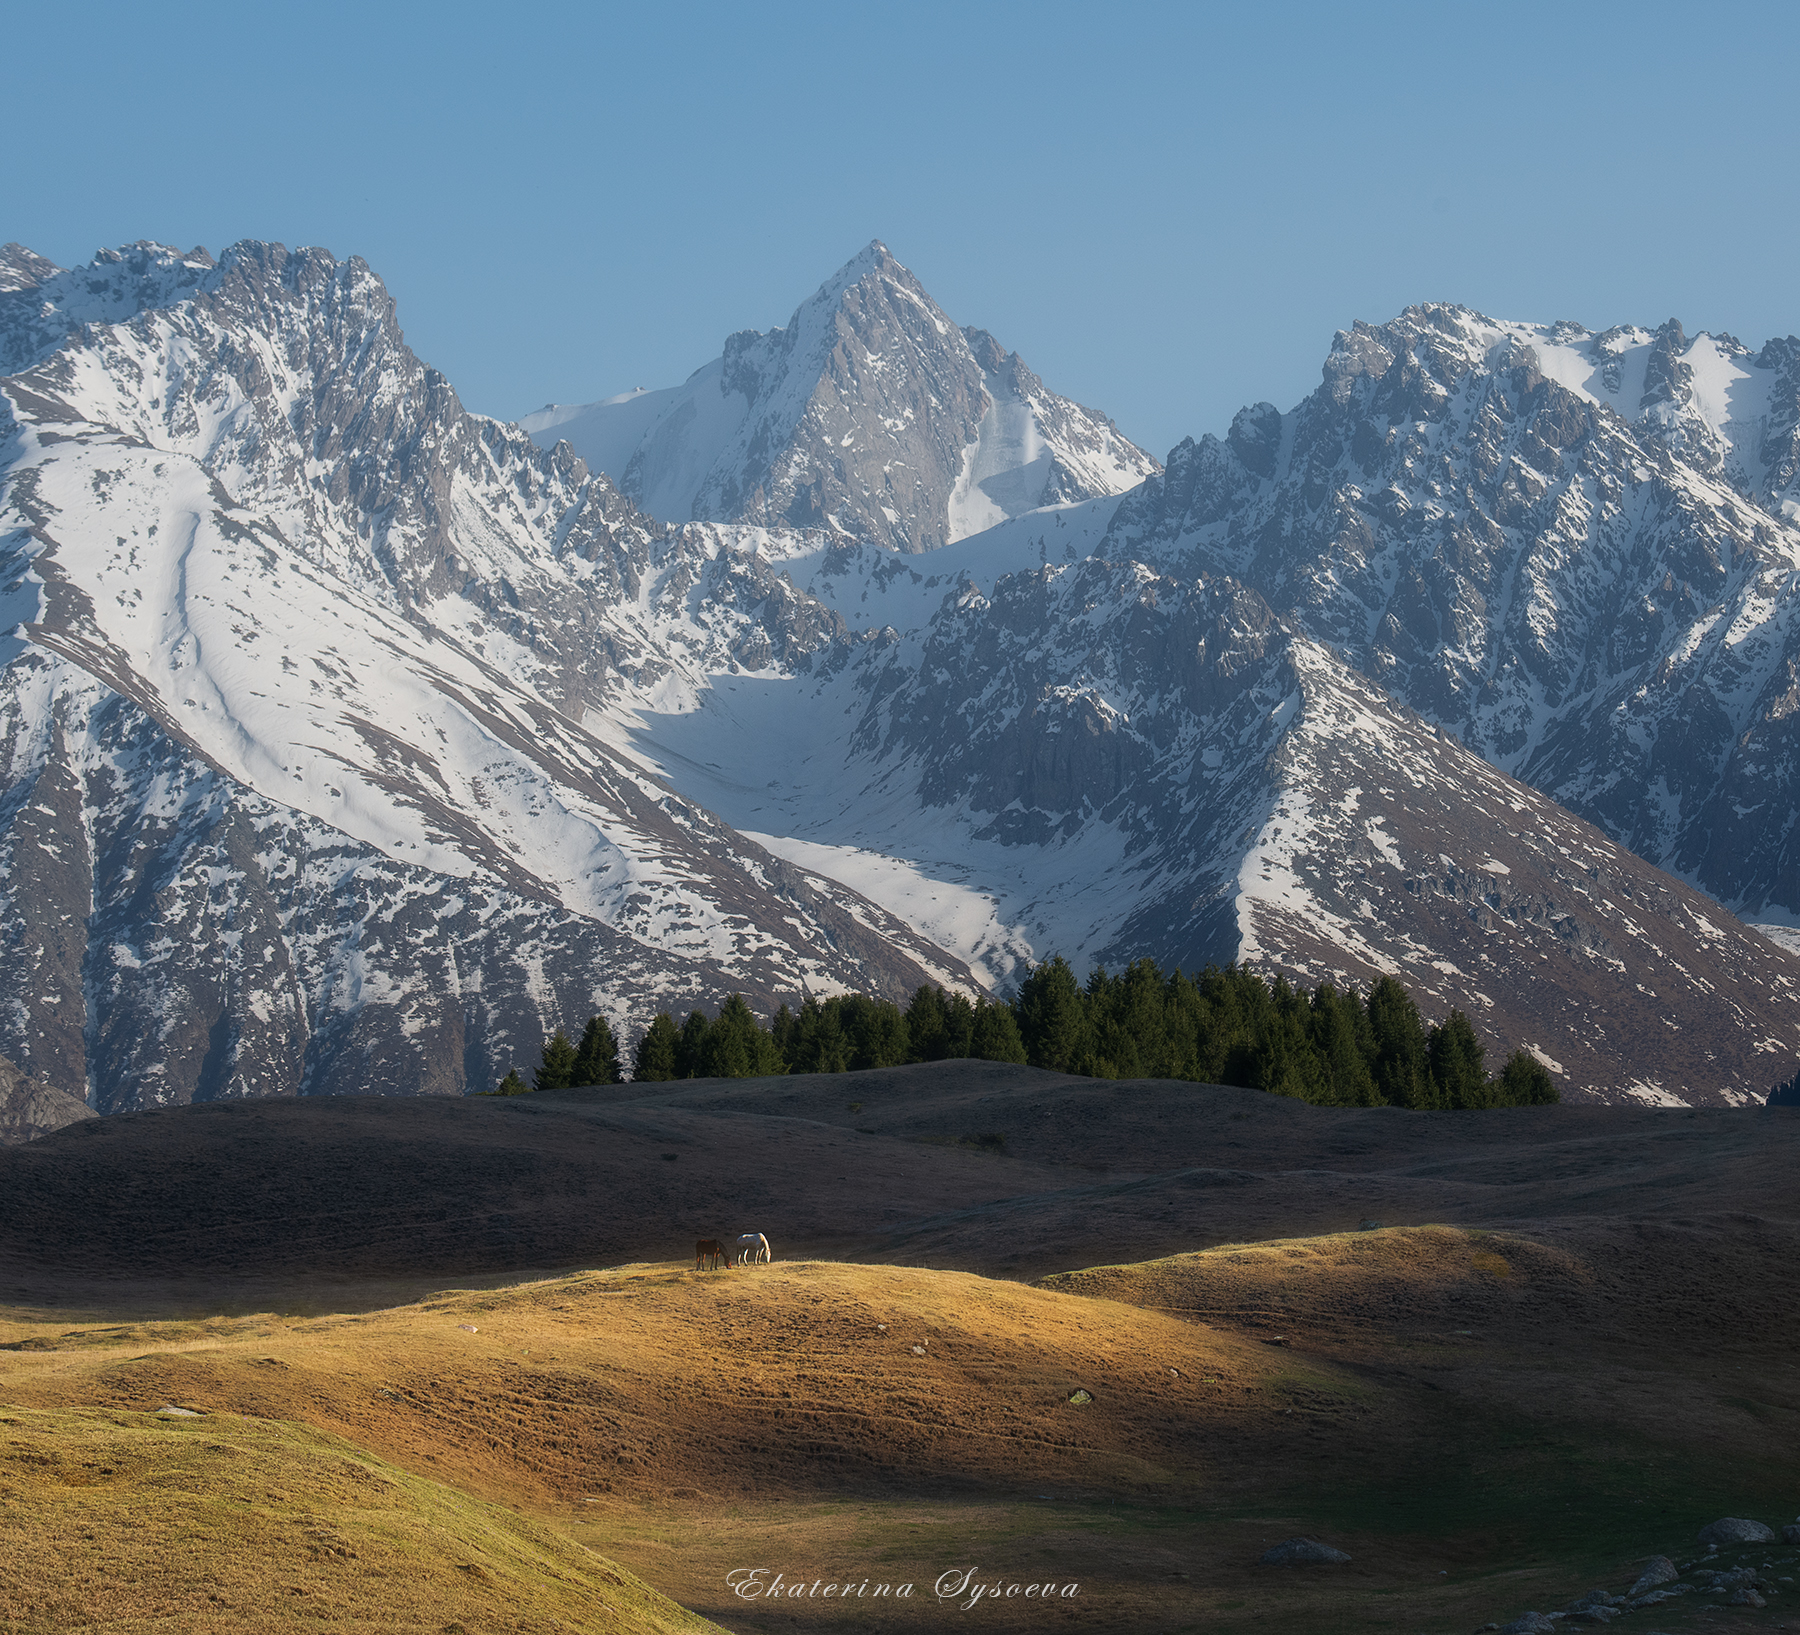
836,1035
1328,1045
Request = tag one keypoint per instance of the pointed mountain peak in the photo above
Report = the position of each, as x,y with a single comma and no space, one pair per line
870,413
874,264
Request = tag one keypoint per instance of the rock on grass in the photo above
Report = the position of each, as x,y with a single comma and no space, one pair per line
1736,1530
1291,1550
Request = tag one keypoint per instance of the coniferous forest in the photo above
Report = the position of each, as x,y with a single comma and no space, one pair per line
1329,1046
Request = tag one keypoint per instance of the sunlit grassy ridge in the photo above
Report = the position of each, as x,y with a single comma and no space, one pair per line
125,1521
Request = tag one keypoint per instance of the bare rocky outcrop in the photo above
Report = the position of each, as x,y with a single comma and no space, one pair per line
30,1108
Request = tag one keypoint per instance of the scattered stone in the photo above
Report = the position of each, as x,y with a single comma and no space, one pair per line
1529,1623
170,1411
1368,1226
468,1328
1725,1583
1300,1550
1746,1597
1791,1533
1659,1570
1735,1530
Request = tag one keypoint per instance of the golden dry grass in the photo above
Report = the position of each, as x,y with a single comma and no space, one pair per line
217,1525
652,1382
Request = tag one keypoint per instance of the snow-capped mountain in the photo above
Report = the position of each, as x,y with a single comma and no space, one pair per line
294,786
1578,551
870,413
348,740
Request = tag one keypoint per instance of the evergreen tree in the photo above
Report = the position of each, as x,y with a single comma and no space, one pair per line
1456,1057
1287,1064
959,1027
874,1029
994,1037
658,1052
735,1047
926,1025
784,1029
1235,1010
1052,1016
1346,1045
1525,1082
597,1056
1227,1026
1401,1071
558,1064
511,1085
819,1045
693,1045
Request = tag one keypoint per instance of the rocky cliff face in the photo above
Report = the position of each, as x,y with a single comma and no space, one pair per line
869,413
1117,762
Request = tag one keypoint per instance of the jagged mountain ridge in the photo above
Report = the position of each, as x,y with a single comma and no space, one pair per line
1578,551
870,413
296,791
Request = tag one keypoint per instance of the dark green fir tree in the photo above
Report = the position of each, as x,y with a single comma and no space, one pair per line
558,1064
597,1056
658,1052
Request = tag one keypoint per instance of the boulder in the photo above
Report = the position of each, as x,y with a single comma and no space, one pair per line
1658,1570
1736,1530
1300,1550
1529,1623
1746,1597
1791,1533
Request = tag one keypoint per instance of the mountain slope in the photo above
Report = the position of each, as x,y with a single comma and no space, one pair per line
870,413
294,791
1102,760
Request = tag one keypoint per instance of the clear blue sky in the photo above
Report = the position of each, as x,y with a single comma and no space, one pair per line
1166,209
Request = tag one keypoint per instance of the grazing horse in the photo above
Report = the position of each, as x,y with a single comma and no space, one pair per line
709,1249
753,1247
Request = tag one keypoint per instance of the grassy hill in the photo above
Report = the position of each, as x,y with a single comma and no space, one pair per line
1567,1347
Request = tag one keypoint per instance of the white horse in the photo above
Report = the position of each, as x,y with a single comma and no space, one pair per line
753,1248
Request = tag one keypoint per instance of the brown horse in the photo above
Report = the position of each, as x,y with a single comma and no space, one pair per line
709,1249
